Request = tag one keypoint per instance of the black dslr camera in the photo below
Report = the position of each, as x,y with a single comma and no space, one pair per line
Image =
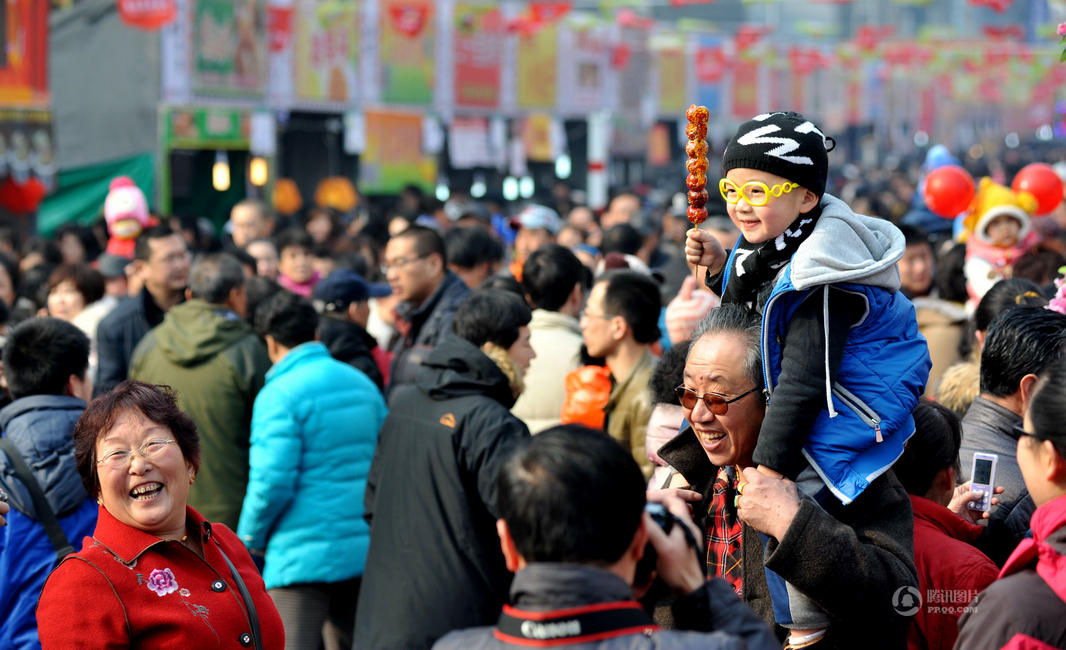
666,520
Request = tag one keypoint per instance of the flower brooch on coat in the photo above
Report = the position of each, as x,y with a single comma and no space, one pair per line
162,582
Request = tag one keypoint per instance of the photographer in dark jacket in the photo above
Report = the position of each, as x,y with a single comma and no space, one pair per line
434,563
573,528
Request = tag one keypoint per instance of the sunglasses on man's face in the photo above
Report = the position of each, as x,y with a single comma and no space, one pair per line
715,403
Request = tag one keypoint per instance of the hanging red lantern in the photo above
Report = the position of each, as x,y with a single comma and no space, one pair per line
1043,183
948,191
147,14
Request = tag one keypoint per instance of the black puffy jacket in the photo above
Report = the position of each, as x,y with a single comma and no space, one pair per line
435,563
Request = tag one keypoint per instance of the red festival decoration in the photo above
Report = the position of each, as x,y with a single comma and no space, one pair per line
748,35
147,14
998,6
21,198
279,27
948,191
1043,183
409,19
711,64
546,12
1004,32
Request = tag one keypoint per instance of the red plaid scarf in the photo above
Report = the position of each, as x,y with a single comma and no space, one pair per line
723,535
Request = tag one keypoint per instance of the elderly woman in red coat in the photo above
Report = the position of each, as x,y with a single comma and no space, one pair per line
155,573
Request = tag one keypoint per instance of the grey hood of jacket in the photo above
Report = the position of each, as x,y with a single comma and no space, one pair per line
848,247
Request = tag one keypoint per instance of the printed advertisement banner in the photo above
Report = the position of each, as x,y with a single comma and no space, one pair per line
229,57
326,51
393,156
711,68
478,52
673,81
745,89
408,46
585,70
24,54
536,68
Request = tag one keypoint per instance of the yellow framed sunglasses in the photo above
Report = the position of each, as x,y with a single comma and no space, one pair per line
755,193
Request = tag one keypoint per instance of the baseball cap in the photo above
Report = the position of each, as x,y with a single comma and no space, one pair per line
534,217
343,287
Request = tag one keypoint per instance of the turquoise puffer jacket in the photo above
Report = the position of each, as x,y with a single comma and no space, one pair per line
314,428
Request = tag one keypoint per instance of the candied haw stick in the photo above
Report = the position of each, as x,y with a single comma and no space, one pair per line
696,165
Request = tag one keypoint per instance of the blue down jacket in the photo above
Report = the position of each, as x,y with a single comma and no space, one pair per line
314,427
40,426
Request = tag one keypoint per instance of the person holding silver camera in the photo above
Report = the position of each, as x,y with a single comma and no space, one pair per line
573,527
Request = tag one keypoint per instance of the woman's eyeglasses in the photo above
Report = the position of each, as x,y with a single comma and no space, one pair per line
714,402
151,450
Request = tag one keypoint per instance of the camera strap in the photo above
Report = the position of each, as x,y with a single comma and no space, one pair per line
573,625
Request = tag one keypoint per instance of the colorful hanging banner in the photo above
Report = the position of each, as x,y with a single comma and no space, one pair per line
673,80
745,89
537,137
24,54
536,68
393,156
585,70
408,50
478,47
712,64
228,54
634,76
325,55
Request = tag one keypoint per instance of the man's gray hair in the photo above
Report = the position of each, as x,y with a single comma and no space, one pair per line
739,321
213,276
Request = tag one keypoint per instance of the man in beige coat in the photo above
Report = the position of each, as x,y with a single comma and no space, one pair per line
555,282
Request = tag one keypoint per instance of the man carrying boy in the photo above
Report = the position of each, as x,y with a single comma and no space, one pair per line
46,363
842,355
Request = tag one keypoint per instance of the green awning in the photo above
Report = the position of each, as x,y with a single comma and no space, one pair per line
80,193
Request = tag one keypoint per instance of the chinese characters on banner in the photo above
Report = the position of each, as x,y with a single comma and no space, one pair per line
326,51
478,52
407,51
228,42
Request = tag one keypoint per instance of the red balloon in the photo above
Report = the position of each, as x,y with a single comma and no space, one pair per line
948,191
1043,183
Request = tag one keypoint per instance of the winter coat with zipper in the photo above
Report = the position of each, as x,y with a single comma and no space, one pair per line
435,563
128,588
314,426
866,401
217,365
947,563
850,561
350,343
1026,607
40,427
421,327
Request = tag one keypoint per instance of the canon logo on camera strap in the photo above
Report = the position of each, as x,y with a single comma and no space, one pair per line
573,625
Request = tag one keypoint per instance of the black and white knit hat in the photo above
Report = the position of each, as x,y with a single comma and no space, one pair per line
785,144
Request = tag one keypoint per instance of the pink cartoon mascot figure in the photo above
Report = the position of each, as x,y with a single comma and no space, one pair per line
999,231
126,213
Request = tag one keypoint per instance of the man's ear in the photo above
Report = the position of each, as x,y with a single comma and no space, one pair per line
1025,389
511,556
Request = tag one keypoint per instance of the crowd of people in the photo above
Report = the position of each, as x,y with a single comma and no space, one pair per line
474,424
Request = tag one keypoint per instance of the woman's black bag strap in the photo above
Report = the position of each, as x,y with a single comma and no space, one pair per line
246,596
45,514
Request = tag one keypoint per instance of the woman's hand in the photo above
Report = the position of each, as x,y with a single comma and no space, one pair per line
766,503
702,249
963,496
4,508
